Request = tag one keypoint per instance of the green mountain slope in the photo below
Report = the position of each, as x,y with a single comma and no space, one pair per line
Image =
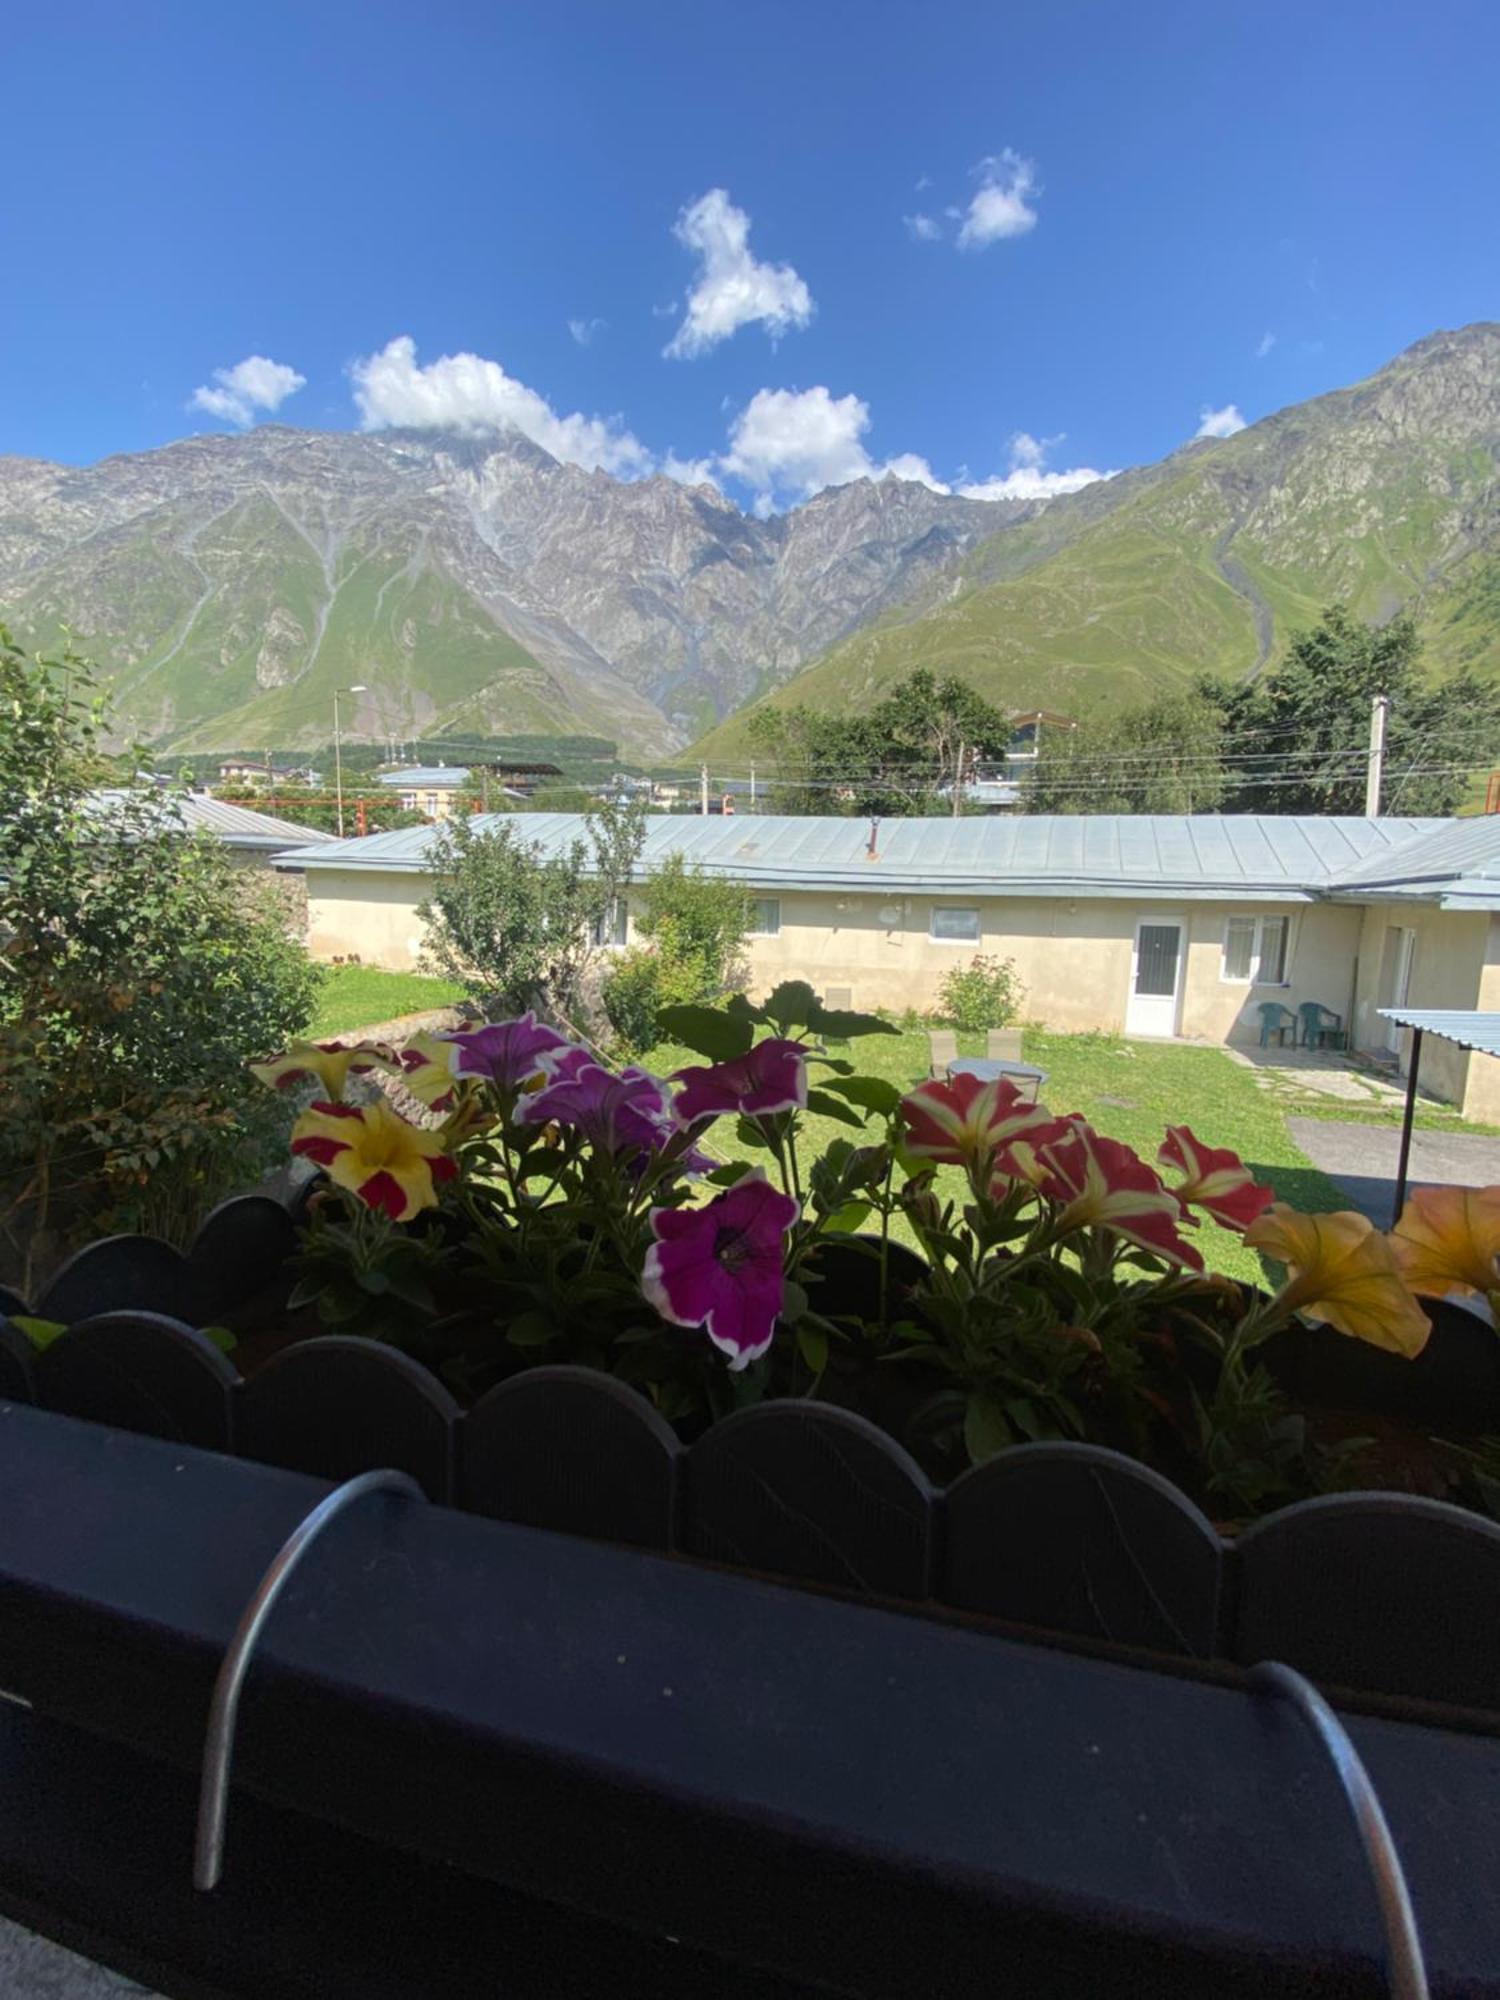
1383,495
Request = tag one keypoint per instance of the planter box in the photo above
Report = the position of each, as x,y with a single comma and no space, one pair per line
1379,1593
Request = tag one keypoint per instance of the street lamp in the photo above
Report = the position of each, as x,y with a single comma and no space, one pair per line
338,761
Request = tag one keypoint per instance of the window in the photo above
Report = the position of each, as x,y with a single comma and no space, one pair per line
614,926
951,925
1255,950
765,917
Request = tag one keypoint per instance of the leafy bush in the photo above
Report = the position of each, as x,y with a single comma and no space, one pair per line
985,993
138,968
696,925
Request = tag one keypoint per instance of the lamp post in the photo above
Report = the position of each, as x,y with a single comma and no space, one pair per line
338,760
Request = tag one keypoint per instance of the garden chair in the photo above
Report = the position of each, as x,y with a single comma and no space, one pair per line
1321,1027
942,1049
1278,1022
1003,1044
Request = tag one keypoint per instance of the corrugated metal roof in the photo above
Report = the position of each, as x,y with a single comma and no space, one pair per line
1281,859
1452,1024
1457,864
427,777
236,826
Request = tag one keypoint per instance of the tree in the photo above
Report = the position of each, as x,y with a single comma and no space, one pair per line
1164,757
696,925
139,969
1300,736
518,927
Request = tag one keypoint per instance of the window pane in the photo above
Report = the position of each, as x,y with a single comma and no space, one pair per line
960,926
1239,947
1272,951
1156,960
765,916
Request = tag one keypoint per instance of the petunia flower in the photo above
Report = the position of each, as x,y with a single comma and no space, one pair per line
329,1063
1100,1183
963,1122
1214,1179
720,1266
508,1054
1342,1270
628,1113
770,1077
388,1162
1448,1240
1021,1158
426,1070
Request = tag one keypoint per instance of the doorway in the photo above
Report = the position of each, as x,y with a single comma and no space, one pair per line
1155,978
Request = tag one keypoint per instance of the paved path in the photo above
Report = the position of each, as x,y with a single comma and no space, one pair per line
32,1968
1362,1160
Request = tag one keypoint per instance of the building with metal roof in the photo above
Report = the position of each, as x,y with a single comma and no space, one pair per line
238,827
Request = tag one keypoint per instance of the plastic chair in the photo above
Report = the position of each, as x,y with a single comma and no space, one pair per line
1276,1021
942,1049
1321,1027
1003,1044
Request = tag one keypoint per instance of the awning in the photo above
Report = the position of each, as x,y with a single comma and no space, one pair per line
1466,1030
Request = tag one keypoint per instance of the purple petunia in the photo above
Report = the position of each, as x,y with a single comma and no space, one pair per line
628,1113
720,1266
509,1054
770,1077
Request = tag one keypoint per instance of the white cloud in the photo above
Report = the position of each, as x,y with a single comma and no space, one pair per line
907,465
584,330
1028,477
787,444
733,289
925,228
1264,345
1219,423
252,385
466,393
1001,204
689,471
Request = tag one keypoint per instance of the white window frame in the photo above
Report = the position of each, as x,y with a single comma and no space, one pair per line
968,909
756,928
1257,951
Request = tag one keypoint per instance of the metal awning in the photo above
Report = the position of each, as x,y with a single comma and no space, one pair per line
1459,1025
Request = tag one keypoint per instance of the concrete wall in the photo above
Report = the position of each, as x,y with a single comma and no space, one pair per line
1451,961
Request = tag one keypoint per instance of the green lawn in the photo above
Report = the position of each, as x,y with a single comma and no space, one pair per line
1129,1090
360,996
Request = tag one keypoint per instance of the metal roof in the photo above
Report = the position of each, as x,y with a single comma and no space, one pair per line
1451,1024
1456,865
1109,855
427,777
236,826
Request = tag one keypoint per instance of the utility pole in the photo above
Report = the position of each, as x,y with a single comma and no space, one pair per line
752,788
958,781
703,790
1380,708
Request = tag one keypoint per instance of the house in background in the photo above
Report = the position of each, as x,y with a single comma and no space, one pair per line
1159,926
429,788
252,838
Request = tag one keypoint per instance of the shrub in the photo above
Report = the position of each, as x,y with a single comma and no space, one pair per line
985,993
696,925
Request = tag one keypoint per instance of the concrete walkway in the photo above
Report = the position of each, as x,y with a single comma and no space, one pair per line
1362,1160
32,1968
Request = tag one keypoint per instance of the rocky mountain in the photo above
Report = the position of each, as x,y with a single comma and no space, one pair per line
228,584
1385,495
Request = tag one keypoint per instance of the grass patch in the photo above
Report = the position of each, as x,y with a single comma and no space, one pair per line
359,996
1128,1090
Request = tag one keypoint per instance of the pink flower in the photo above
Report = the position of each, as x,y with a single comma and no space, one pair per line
770,1077
1215,1180
962,1122
509,1054
1100,1183
628,1113
720,1266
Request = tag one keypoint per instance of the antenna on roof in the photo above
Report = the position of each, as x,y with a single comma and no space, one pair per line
872,851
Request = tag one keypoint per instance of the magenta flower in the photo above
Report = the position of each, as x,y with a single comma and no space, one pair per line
770,1077
628,1113
509,1054
720,1266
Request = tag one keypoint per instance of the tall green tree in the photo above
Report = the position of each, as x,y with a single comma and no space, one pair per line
1164,757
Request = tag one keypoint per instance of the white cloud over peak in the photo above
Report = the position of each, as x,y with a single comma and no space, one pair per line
733,288
787,444
1001,204
1264,345
689,471
584,330
240,393
467,393
1219,423
1028,477
924,228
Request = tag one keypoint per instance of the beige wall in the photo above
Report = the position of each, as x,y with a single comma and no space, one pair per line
1455,963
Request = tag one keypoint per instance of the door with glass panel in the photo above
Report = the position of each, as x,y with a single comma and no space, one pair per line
1155,978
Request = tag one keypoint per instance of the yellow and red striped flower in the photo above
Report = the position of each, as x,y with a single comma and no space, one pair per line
1214,1179
1448,1240
1342,1270
963,1122
1099,1183
329,1063
425,1065
370,1149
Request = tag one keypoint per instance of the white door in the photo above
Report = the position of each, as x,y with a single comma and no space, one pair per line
1155,978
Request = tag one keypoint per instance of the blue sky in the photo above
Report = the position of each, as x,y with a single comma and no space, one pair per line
794,241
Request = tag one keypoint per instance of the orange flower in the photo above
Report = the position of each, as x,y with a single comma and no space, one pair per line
371,1150
1340,1269
1448,1240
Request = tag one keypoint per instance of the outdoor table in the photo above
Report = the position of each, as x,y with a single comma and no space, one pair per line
989,1068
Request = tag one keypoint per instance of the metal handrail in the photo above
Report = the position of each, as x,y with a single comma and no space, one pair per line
1405,1970
218,1748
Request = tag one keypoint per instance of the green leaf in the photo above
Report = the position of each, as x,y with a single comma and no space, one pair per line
222,1338
533,1329
986,1429
812,1344
708,1031
839,1025
790,1005
793,1302
748,1133
729,1173
40,1332
831,1107
847,1220
873,1092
